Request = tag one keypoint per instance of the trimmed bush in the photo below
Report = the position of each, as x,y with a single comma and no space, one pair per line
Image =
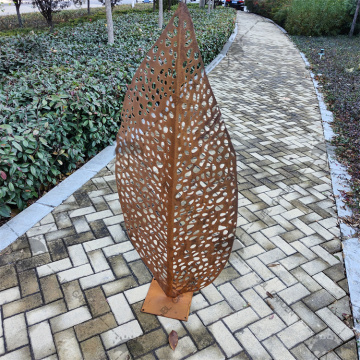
61,94
267,8
307,17
316,17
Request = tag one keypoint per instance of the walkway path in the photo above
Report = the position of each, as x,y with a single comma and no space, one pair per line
73,286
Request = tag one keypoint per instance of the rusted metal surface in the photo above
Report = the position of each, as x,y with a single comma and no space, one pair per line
175,165
157,303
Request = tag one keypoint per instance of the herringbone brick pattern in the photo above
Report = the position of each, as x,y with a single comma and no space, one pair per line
73,286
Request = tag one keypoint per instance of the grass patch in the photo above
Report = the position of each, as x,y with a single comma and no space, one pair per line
339,74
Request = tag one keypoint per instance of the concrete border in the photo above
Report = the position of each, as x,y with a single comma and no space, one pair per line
223,52
340,184
24,221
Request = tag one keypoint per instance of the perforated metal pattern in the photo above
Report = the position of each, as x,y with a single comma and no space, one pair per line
175,165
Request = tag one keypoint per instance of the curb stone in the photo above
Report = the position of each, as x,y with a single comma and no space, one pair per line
340,184
24,221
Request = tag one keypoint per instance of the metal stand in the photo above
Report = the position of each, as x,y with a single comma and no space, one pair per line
157,303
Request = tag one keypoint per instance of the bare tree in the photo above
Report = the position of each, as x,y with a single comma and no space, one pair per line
17,4
109,21
354,20
161,14
48,7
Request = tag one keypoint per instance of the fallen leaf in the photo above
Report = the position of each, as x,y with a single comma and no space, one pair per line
271,317
269,295
273,265
173,339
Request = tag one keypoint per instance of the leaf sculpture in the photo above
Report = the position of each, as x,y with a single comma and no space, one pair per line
175,165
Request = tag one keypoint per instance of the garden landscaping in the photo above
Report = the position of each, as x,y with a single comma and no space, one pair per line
61,94
325,24
338,71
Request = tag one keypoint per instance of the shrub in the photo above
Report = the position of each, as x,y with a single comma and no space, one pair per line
61,94
267,8
316,17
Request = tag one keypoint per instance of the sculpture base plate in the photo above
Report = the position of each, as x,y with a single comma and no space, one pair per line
157,303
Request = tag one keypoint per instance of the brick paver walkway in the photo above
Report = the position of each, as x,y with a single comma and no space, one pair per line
72,287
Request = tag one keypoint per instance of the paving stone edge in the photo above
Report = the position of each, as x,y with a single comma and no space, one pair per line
340,184
24,221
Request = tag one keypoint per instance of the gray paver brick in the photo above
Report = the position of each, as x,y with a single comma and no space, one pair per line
285,215
260,269
54,267
294,293
214,312
225,339
45,312
335,324
15,332
9,295
70,319
211,352
198,332
121,334
308,316
120,308
256,303
252,345
329,285
267,326
240,319
75,273
41,340
67,345
232,296
295,334
277,350
322,343
96,279
212,295
286,314
315,266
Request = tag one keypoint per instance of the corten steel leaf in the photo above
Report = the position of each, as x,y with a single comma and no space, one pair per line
175,165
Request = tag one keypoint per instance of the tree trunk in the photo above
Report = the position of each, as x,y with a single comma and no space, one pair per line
209,6
161,14
355,18
202,4
88,6
154,5
50,20
17,6
169,4
110,26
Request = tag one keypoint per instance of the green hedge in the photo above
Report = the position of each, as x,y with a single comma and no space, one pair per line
317,17
61,94
307,17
